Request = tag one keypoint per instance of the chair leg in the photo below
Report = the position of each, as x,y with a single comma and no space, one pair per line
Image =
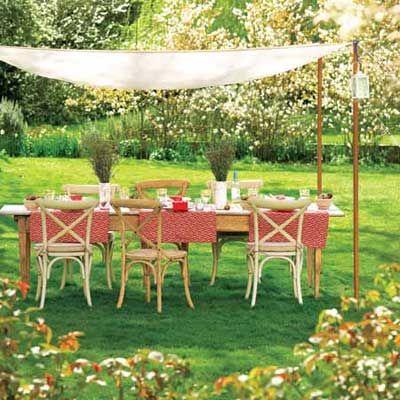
44,283
107,261
110,255
86,282
39,286
159,289
256,276
294,279
124,274
250,272
186,284
299,263
185,247
216,250
146,271
39,280
299,294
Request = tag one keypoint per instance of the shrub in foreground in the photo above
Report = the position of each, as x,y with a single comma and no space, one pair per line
344,359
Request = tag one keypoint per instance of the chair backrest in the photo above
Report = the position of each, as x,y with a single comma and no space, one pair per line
263,218
70,189
126,225
181,185
83,213
243,184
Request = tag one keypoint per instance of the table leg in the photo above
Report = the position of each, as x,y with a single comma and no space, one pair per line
24,247
317,271
310,265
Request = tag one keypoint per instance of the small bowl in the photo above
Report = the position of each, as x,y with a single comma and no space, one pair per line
176,198
31,205
180,206
324,204
76,197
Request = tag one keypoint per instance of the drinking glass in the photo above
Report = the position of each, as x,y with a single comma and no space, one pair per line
49,194
252,192
304,193
205,195
162,194
199,205
61,197
124,193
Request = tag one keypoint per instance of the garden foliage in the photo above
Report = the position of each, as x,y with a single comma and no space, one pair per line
272,119
12,128
344,359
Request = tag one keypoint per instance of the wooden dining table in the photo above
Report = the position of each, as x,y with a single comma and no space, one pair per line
231,221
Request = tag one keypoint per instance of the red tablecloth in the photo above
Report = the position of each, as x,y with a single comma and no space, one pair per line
315,227
100,226
182,227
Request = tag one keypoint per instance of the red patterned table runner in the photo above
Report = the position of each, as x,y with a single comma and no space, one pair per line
182,227
315,227
100,226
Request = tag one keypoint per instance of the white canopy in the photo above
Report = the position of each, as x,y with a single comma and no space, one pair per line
162,69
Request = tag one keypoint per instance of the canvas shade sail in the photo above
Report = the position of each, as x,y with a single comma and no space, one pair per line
162,69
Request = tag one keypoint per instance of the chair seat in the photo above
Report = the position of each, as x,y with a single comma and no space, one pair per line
271,247
151,254
62,248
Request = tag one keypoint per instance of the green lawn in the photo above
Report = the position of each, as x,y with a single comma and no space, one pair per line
334,138
223,334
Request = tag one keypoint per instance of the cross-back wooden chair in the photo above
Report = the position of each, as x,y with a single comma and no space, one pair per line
105,248
154,259
181,186
264,249
226,237
53,249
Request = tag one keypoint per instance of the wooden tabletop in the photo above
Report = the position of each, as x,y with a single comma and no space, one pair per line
20,210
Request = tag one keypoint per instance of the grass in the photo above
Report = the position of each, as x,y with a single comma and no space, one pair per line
334,138
223,334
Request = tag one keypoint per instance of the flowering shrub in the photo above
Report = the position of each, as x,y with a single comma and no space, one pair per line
35,365
343,359
275,116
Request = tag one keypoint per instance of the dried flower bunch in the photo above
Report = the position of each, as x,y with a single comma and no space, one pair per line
102,153
220,155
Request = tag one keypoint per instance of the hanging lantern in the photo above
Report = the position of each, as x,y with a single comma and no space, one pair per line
360,86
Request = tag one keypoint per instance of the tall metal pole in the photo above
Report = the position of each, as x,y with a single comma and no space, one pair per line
356,256
319,126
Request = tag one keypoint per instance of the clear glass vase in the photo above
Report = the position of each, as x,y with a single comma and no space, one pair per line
105,195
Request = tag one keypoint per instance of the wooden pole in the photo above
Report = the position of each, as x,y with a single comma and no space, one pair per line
356,255
319,127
